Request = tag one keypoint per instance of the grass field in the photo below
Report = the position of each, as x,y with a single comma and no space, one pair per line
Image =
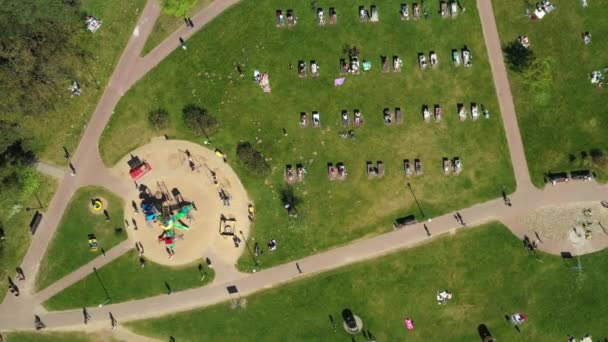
569,116
69,248
330,213
125,280
166,24
488,271
64,125
15,222
57,337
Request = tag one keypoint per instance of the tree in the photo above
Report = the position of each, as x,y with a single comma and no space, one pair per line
199,120
159,118
39,52
252,158
518,57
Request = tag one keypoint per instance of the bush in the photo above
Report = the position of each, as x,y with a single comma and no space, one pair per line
598,157
199,120
252,158
159,118
178,8
518,57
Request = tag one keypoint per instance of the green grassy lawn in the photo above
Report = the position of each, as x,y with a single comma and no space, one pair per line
64,125
58,337
69,248
125,280
166,24
330,213
486,268
15,222
572,116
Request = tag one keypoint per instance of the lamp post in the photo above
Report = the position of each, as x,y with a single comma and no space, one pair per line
103,287
255,262
415,199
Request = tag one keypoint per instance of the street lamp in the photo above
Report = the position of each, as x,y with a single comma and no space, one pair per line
415,199
255,262
103,287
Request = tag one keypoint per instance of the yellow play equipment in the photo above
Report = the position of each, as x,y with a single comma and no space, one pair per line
97,205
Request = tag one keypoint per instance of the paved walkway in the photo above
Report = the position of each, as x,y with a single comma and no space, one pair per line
90,170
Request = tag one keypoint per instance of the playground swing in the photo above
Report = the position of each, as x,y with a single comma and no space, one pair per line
227,226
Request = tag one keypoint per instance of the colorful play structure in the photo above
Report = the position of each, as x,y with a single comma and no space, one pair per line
161,211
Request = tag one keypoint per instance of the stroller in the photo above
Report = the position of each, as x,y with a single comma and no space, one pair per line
416,10
314,69
466,58
303,120
320,16
358,118
280,18
316,119
384,62
447,166
438,113
405,12
455,57
345,118
457,166
333,15
407,167
474,111
422,61
397,63
363,14
301,69
374,18
418,167
462,113
426,115
388,117
433,58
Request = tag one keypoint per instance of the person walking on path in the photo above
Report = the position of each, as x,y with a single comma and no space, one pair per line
86,315
134,223
113,321
426,229
134,205
20,274
38,324
298,267
72,169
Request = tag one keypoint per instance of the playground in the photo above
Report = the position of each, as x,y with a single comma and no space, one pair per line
190,204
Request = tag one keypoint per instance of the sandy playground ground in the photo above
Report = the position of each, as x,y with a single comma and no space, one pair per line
564,223
170,165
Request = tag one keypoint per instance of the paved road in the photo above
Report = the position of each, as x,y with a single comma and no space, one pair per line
18,314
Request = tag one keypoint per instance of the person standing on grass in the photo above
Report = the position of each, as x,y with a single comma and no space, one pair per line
182,42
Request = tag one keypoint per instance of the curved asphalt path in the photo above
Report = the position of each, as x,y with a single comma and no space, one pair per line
18,314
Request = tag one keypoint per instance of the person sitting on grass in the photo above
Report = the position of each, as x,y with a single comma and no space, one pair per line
443,297
272,245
